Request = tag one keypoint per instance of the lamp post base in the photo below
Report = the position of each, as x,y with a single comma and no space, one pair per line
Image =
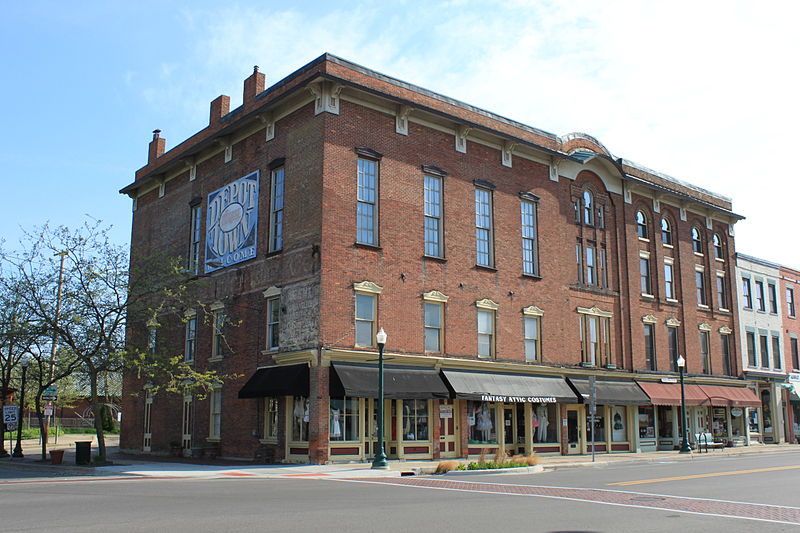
685,448
380,462
17,453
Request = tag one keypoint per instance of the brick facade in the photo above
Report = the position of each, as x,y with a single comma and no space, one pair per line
315,121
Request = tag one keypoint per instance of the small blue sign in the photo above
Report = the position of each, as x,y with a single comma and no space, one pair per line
232,223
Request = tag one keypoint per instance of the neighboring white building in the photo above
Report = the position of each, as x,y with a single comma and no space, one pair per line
760,327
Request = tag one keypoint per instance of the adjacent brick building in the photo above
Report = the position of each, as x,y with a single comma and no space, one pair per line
508,265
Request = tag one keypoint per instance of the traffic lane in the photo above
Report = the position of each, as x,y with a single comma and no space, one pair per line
747,478
192,505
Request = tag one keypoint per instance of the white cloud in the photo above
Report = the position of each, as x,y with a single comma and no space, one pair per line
704,91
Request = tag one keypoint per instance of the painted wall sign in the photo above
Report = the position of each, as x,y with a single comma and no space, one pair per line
232,223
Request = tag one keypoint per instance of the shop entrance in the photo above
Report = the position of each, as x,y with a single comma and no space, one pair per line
514,428
448,429
574,439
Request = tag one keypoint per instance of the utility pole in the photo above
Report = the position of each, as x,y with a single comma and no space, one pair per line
53,348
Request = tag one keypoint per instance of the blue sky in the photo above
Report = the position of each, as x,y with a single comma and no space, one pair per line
705,92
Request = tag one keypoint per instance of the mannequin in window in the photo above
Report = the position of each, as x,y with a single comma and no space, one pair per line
535,426
541,415
298,415
484,422
336,426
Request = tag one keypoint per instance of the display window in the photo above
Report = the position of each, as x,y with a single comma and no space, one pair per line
752,420
796,419
619,430
300,418
647,423
415,420
343,423
719,422
481,421
599,425
544,418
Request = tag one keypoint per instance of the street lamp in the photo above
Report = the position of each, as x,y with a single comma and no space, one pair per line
685,448
18,447
380,455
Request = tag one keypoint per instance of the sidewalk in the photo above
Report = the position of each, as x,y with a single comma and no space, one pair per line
167,467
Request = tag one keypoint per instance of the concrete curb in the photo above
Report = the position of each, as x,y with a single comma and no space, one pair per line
495,471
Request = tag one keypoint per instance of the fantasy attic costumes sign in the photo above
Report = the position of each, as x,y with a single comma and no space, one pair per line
231,223
517,399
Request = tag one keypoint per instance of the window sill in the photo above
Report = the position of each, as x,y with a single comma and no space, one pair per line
271,351
273,253
487,268
703,307
698,254
724,311
215,359
587,365
366,246
672,301
268,440
435,258
213,439
644,239
647,296
531,276
665,245
487,357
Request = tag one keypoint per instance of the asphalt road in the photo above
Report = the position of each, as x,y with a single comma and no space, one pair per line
746,493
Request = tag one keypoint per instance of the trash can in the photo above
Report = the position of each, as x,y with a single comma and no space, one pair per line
83,452
56,456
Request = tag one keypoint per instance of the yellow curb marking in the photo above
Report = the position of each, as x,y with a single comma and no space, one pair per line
697,476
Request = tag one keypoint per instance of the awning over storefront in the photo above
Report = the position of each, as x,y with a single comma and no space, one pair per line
513,388
290,380
611,392
406,383
794,394
721,396
670,394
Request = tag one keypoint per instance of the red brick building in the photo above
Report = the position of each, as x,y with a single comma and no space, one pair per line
789,287
507,265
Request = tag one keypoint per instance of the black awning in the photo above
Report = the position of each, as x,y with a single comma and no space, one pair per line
400,383
290,380
611,392
513,388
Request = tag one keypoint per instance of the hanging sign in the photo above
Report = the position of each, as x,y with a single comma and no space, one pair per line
232,223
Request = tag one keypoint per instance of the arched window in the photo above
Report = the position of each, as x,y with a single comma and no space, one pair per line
697,241
717,246
641,225
588,208
666,232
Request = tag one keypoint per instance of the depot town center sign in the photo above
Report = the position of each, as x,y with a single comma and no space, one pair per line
232,223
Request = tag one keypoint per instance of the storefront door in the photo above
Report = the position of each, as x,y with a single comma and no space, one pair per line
510,429
574,438
448,429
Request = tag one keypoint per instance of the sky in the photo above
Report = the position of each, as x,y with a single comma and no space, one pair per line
706,92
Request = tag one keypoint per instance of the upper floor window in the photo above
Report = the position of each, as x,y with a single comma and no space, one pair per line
215,414
486,341
273,322
588,208
726,352
152,338
433,216
366,304
195,238
700,284
697,241
644,274
367,210
795,353
666,232
595,332
641,225
747,295
705,356
530,261
483,227
717,242
434,326
772,294
276,211
777,359
790,301
752,357
722,293
669,281
650,346
672,339
760,303
532,333
191,338
763,345
218,333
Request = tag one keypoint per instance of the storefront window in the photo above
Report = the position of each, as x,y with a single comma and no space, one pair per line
343,424
415,419
665,417
544,422
719,422
765,405
300,418
647,424
753,420
599,425
796,418
270,418
619,432
480,418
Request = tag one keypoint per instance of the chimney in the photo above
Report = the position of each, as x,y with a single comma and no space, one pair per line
253,86
220,107
156,147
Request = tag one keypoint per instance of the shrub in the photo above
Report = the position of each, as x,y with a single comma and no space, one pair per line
446,466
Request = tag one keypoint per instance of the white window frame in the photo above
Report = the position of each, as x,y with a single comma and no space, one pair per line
215,413
190,337
366,289
277,191
217,330
484,227
646,277
533,344
195,238
487,309
595,345
271,410
434,215
367,201
701,291
530,241
669,280
272,305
